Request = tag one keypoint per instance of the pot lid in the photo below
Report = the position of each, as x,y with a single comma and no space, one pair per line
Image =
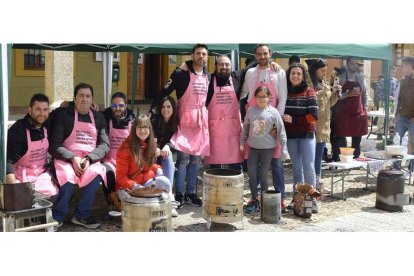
146,192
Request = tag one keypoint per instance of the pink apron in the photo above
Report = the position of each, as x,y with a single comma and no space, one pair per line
224,123
81,141
192,135
116,137
272,101
32,166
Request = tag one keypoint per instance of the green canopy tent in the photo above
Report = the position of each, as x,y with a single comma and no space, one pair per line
381,52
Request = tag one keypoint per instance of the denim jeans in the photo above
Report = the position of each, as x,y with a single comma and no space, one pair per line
167,165
83,208
278,176
234,166
187,168
318,157
404,124
302,154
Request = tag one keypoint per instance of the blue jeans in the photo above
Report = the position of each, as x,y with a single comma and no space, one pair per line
83,208
404,124
167,165
278,176
234,166
302,154
318,157
187,168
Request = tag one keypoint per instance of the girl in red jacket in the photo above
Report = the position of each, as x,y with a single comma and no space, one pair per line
135,167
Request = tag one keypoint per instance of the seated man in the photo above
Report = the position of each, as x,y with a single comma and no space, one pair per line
78,143
119,120
27,147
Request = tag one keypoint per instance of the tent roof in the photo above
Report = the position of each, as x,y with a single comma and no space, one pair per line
179,49
363,51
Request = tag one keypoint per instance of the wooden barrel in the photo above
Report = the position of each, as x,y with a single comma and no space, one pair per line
271,211
146,214
223,195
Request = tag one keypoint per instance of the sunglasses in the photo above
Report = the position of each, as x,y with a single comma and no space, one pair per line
114,105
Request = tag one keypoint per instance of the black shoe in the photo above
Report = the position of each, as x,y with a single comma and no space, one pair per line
180,198
88,223
192,199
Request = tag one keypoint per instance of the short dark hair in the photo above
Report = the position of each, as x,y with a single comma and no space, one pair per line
199,45
39,97
119,95
82,86
261,45
408,60
294,59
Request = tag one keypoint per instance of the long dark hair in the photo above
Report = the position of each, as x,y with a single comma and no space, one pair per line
172,124
313,66
306,82
135,146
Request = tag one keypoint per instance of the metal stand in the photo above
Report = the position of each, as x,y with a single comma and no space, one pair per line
13,221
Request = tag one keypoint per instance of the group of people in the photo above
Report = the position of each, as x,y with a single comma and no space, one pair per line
294,112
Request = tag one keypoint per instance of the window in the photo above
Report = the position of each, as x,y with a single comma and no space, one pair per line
34,59
398,54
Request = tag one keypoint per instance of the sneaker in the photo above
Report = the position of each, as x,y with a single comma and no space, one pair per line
291,205
180,199
283,206
192,199
174,213
253,207
323,189
88,223
315,208
56,228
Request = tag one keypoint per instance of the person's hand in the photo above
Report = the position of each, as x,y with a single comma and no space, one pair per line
242,150
94,106
273,132
85,163
157,152
165,152
287,118
76,164
183,66
275,67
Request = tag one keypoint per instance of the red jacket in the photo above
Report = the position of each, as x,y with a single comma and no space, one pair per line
126,167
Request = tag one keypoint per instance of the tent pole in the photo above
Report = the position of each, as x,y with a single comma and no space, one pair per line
235,60
387,85
5,59
134,80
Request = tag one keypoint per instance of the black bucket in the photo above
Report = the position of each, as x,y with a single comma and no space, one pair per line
390,191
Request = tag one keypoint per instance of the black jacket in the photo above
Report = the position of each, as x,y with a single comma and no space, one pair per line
62,127
17,140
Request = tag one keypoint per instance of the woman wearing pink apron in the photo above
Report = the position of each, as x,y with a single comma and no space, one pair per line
32,166
278,174
350,117
192,137
224,122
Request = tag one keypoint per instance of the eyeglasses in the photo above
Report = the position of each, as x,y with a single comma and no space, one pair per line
143,127
114,105
262,97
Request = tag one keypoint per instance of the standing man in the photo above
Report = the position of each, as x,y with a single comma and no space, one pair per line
262,75
351,110
120,120
27,146
405,109
224,118
192,137
78,143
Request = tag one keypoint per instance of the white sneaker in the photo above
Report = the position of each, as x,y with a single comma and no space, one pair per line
174,213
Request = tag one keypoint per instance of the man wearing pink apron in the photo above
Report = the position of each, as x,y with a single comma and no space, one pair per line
192,137
78,143
27,147
224,118
351,109
119,120
276,82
